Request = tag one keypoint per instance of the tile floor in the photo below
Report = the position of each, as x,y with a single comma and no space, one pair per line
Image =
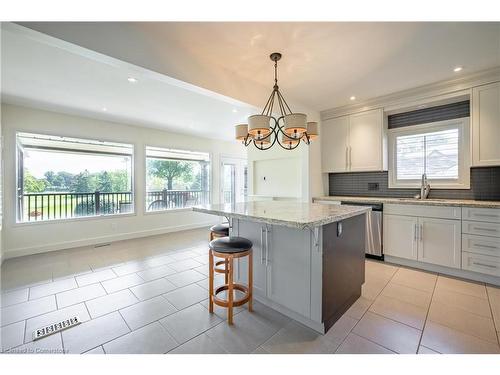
150,296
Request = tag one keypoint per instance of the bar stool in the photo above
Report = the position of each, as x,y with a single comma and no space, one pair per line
218,231
230,248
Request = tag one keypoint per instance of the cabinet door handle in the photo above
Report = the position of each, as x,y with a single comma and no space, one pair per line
421,232
484,265
261,245
415,232
267,246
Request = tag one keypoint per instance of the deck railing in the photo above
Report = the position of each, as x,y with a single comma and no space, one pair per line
52,206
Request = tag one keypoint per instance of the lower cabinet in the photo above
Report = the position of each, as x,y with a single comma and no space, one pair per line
281,264
430,240
400,236
440,242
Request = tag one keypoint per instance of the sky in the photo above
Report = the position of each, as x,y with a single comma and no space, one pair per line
39,162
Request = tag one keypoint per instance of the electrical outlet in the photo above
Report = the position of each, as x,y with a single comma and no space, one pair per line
114,226
373,186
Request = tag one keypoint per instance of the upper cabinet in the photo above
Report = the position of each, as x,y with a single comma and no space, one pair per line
354,143
486,125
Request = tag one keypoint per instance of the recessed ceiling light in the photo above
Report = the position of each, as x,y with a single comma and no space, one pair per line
235,110
352,98
132,79
104,109
457,69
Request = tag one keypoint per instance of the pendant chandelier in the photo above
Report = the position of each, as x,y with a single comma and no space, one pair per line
265,130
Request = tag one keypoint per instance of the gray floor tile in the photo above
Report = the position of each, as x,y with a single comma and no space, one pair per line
146,312
185,278
95,277
184,265
152,289
355,344
295,338
52,288
244,336
28,309
201,344
156,272
98,350
186,296
11,336
123,282
190,322
78,295
111,302
14,297
94,332
151,339
48,345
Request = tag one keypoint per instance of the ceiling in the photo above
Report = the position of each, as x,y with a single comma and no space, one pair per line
324,64
48,73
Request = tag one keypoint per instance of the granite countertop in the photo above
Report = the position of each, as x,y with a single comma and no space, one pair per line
290,214
428,202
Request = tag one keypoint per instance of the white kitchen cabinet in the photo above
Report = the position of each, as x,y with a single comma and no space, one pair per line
335,144
400,236
289,268
281,264
365,141
439,241
486,125
431,240
354,143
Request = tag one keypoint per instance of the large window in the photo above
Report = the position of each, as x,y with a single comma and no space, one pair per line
64,178
440,150
176,179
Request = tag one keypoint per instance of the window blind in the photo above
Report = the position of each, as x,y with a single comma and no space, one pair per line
433,153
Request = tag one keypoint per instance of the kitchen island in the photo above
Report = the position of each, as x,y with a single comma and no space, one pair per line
308,258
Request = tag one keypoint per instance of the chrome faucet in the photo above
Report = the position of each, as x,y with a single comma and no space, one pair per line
425,188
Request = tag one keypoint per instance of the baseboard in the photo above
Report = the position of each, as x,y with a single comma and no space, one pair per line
463,274
14,253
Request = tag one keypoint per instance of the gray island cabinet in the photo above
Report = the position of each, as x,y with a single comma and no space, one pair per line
308,258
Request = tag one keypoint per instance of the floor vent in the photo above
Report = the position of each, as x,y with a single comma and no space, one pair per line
55,327
101,245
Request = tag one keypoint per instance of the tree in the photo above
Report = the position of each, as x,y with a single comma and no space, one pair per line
33,184
105,184
120,180
81,183
169,170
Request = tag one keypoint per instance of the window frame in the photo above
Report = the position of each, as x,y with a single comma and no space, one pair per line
18,222
145,176
464,163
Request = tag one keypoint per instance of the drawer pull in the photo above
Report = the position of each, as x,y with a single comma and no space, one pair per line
486,246
483,265
486,229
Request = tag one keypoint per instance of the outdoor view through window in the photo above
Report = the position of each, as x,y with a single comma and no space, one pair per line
63,178
176,178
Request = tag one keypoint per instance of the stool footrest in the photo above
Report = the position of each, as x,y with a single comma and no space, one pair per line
238,302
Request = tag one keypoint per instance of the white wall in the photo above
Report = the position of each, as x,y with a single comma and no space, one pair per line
28,238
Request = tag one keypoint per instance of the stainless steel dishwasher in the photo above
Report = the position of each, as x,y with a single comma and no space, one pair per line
373,237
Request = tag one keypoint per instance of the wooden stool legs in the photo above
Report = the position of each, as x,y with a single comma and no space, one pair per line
230,293
230,286
210,282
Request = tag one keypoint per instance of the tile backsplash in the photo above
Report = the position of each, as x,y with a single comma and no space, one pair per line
485,185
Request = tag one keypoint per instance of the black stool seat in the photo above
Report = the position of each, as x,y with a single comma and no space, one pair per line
220,229
230,245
